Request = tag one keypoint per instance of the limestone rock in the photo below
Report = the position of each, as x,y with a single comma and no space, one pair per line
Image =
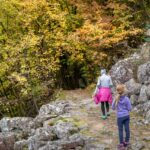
20,145
73,142
54,109
122,71
134,99
65,129
40,119
95,147
7,141
137,146
17,123
143,95
143,108
133,87
144,73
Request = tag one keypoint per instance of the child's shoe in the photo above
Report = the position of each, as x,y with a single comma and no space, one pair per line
121,147
127,144
103,117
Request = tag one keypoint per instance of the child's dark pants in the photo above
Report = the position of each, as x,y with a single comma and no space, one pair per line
103,104
124,122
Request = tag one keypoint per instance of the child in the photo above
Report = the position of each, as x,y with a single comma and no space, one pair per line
123,106
102,93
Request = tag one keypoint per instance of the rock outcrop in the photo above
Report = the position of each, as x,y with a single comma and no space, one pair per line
134,72
52,129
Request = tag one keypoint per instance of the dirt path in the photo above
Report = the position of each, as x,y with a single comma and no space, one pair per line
105,131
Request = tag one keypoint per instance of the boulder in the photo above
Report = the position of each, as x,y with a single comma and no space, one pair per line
7,141
39,139
134,99
133,87
20,145
143,94
45,134
24,124
122,71
73,142
144,73
65,129
137,146
57,108
40,119
143,108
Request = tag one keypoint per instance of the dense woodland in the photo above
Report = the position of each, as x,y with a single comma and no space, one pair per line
51,44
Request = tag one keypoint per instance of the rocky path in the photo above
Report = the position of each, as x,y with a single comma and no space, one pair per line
105,131
71,122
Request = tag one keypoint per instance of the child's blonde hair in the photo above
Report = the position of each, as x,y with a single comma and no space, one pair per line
120,91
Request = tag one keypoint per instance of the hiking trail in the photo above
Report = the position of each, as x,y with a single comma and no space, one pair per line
105,131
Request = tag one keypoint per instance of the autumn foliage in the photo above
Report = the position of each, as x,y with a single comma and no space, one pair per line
49,44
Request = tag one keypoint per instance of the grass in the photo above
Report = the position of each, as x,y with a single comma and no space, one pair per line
75,121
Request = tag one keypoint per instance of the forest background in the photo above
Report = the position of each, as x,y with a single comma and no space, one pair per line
47,45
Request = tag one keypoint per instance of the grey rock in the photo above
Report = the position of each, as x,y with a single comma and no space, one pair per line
7,141
54,109
148,92
71,144
45,134
148,116
145,51
144,73
137,146
20,145
94,147
122,71
143,107
17,123
65,129
134,99
133,87
51,146
33,143
143,94
147,138
40,119
36,134
40,139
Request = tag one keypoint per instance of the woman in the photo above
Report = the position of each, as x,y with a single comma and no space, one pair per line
103,94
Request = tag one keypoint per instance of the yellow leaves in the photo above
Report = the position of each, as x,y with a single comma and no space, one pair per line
4,68
15,77
135,32
29,41
50,32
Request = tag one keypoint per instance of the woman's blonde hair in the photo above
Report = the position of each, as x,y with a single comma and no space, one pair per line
121,88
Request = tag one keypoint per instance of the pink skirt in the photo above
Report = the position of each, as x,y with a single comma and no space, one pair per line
103,95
